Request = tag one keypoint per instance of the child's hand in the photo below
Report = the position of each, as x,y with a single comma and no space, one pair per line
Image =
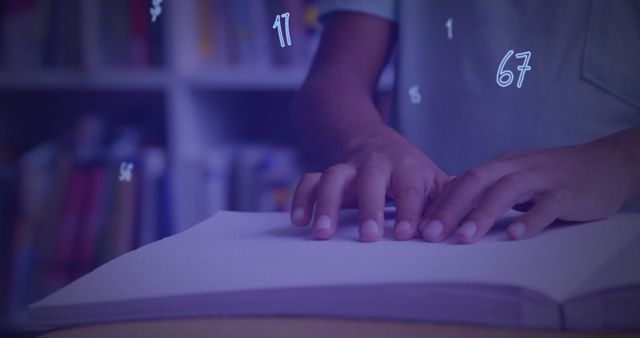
576,183
383,165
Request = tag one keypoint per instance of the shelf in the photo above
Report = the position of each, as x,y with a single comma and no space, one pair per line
116,79
216,78
285,78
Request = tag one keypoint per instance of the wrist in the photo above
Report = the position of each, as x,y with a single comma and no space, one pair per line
370,137
625,147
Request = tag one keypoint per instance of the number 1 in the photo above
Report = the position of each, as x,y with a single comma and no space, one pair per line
286,27
449,26
276,24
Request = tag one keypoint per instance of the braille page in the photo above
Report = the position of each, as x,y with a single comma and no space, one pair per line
256,251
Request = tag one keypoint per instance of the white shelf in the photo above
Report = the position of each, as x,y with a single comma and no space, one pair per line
153,79
285,78
75,79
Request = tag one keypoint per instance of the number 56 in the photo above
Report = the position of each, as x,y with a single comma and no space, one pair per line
505,77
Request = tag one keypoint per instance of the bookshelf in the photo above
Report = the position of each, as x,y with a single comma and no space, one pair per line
199,107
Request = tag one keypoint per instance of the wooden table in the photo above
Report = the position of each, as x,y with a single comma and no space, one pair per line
285,327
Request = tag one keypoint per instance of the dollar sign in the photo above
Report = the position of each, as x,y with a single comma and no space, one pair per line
155,10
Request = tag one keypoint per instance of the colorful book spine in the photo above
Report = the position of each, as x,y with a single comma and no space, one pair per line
85,242
139,33
156,38
217,174
153,169
60,269
205,29
166,225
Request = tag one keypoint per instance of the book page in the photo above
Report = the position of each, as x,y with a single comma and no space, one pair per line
250,251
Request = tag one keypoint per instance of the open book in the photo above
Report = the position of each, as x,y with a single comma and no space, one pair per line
577,276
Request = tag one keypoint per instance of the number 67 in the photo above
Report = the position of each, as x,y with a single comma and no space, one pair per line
502,73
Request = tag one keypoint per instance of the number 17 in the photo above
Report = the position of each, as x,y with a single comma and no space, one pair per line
278,25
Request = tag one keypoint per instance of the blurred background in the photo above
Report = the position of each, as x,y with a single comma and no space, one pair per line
195,104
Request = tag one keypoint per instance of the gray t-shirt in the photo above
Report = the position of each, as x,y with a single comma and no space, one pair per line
573,73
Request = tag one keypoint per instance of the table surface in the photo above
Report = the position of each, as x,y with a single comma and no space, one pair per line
305,327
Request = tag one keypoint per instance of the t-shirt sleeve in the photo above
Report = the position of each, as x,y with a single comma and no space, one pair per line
386,9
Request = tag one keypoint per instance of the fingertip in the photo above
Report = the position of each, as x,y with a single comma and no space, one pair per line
466,232
516,231
432,231
322,229
404,230
298,217
370,231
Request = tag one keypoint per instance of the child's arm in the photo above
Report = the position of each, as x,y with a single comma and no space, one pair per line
334,110
335,117
576,183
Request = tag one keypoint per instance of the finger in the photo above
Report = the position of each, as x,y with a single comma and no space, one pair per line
434,188
409,192
436,199
433,203
303,199
460,200
495,203
463,195
331,189
372,187
541,215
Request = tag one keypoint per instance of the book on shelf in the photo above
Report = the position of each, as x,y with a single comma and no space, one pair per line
74,212
218,166
571,276
265,177
241,33
251,177
153,168
128,37
123,219
40,34
32,196
8,213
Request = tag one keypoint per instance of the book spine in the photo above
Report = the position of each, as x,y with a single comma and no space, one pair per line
21,267
85,252
205,36
3,19
224,45
57,32
20,38
120,31
71,48
61,171
60,270
312,29
105,230
217,179
166,226
139,33
156,41
124,216
260,28
8,214
153,168
48,36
